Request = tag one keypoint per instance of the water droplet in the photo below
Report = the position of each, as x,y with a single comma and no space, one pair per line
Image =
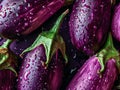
16,14
17,30
31,13
87,6
20,7
95,27
4,15
106,80
29,5
1,23
74,56
43,6
89,77
26,24
27,66
13,4
83,1
101,5
26,75
25,0
72,70
84,47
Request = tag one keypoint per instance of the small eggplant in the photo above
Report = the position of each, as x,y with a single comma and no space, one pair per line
99,72
116,23
8,64
42,68
89,24
21,17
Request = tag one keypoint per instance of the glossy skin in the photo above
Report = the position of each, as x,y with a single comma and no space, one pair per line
116,23
34,75
20,17
87,77
89,23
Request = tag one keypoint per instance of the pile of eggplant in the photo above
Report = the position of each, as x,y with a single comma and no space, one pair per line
59,45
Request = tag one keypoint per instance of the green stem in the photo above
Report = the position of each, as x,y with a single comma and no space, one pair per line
108,52
51,40
6,43
57,24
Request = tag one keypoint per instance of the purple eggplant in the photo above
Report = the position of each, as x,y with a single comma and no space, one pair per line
21,17
42,67
8,64
89,24
99,72
116,23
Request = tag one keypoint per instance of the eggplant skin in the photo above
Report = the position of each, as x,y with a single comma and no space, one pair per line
7,80
34,75
89,24
88,78
21,17
116,23
56,73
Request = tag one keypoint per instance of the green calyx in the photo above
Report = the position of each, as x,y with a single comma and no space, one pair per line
6,59
51,40
108,52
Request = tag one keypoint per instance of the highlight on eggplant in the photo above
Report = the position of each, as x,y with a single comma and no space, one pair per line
89,24
42,67
100,71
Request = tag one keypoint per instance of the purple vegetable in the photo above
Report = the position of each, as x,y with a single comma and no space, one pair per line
116,23
99,72
89,24
42,67
7,67
20,17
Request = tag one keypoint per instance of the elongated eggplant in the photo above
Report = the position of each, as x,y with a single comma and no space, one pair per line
42,67
20,17
8,64
116,23
99,72
89,24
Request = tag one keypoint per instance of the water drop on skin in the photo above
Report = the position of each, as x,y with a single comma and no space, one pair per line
26,24
83,1
26,75
27,66
29,5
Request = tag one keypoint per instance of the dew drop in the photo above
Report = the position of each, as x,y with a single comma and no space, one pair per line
26,24
27,66
83,1
29,5
26,75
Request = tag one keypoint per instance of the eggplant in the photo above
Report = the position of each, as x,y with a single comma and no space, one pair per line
42,67
24,16
89,24
8,65
99,72
20,44
115,23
